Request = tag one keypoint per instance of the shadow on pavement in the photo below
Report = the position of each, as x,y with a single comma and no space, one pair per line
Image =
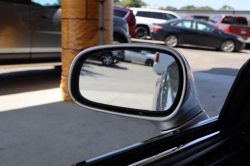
62,133
30,80
222,71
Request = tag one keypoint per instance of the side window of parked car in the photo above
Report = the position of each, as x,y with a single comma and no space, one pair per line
120,13
156,15
169,16
204,27
143,14
186,24
217,19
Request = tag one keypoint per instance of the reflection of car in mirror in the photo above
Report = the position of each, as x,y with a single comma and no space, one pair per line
161,62
140,56
109,58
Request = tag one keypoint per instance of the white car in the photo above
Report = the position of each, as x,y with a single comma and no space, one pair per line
162,61
146,18
140,56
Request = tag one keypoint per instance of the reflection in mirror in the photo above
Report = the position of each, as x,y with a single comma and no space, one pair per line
138,79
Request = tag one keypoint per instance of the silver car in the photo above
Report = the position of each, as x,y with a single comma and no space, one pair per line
140,56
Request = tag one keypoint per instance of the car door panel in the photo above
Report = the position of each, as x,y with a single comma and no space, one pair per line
46,31
14,30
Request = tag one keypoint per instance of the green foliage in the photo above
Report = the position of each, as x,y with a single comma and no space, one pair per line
130,3
226,7
192,7
170,8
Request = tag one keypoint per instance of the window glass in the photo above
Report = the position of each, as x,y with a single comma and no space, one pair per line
143,14
242,21
217,19
156,15
229,20
120,13
205,27
186,24
47,2
169,16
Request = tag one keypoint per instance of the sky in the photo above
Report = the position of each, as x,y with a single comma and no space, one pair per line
215,4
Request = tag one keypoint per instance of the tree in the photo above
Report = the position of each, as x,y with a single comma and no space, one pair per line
170,8
190,7
226,7
130,3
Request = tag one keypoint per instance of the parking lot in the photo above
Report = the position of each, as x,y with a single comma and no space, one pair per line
31,105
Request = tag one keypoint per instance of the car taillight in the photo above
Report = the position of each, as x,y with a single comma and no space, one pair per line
156,27
134,20
227,29
157,57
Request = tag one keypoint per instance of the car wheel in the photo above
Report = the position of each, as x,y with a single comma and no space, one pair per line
118,39
149,62
171,41
227,46
107,59
141,32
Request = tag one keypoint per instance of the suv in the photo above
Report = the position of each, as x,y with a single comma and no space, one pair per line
128,15
145,18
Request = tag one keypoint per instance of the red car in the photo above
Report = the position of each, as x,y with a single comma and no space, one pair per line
128,15
233,24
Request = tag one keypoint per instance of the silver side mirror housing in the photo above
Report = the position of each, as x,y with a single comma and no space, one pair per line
149,82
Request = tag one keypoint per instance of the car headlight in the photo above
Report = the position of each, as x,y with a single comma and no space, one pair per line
240,39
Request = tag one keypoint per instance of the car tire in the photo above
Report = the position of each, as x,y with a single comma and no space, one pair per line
107,59
141,32
118,39
227,46
149,62
171,41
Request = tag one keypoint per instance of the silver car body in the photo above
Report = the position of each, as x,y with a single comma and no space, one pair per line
162,64
139,57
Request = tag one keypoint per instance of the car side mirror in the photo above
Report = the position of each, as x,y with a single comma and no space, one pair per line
136,90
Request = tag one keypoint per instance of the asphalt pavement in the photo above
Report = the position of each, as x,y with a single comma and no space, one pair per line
38,128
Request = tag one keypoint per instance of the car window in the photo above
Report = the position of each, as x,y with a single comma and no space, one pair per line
186,24
120,13
217,19
156,15
50,3
169,16
205,27
143,14
242,21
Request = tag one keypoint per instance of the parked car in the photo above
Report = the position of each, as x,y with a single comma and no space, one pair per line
204,18
42,40
120,30
196,32
161,62
233,24
110,57
189,137
146,18
126,13
144,57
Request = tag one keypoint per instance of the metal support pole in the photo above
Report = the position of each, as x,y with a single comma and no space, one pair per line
101,23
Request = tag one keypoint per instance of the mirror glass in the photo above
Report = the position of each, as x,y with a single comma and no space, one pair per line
138,79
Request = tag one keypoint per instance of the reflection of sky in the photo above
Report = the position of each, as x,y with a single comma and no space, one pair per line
42,2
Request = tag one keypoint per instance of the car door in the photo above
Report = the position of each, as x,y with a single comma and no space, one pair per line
141,57
186,32
207,35
46,29
15,35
